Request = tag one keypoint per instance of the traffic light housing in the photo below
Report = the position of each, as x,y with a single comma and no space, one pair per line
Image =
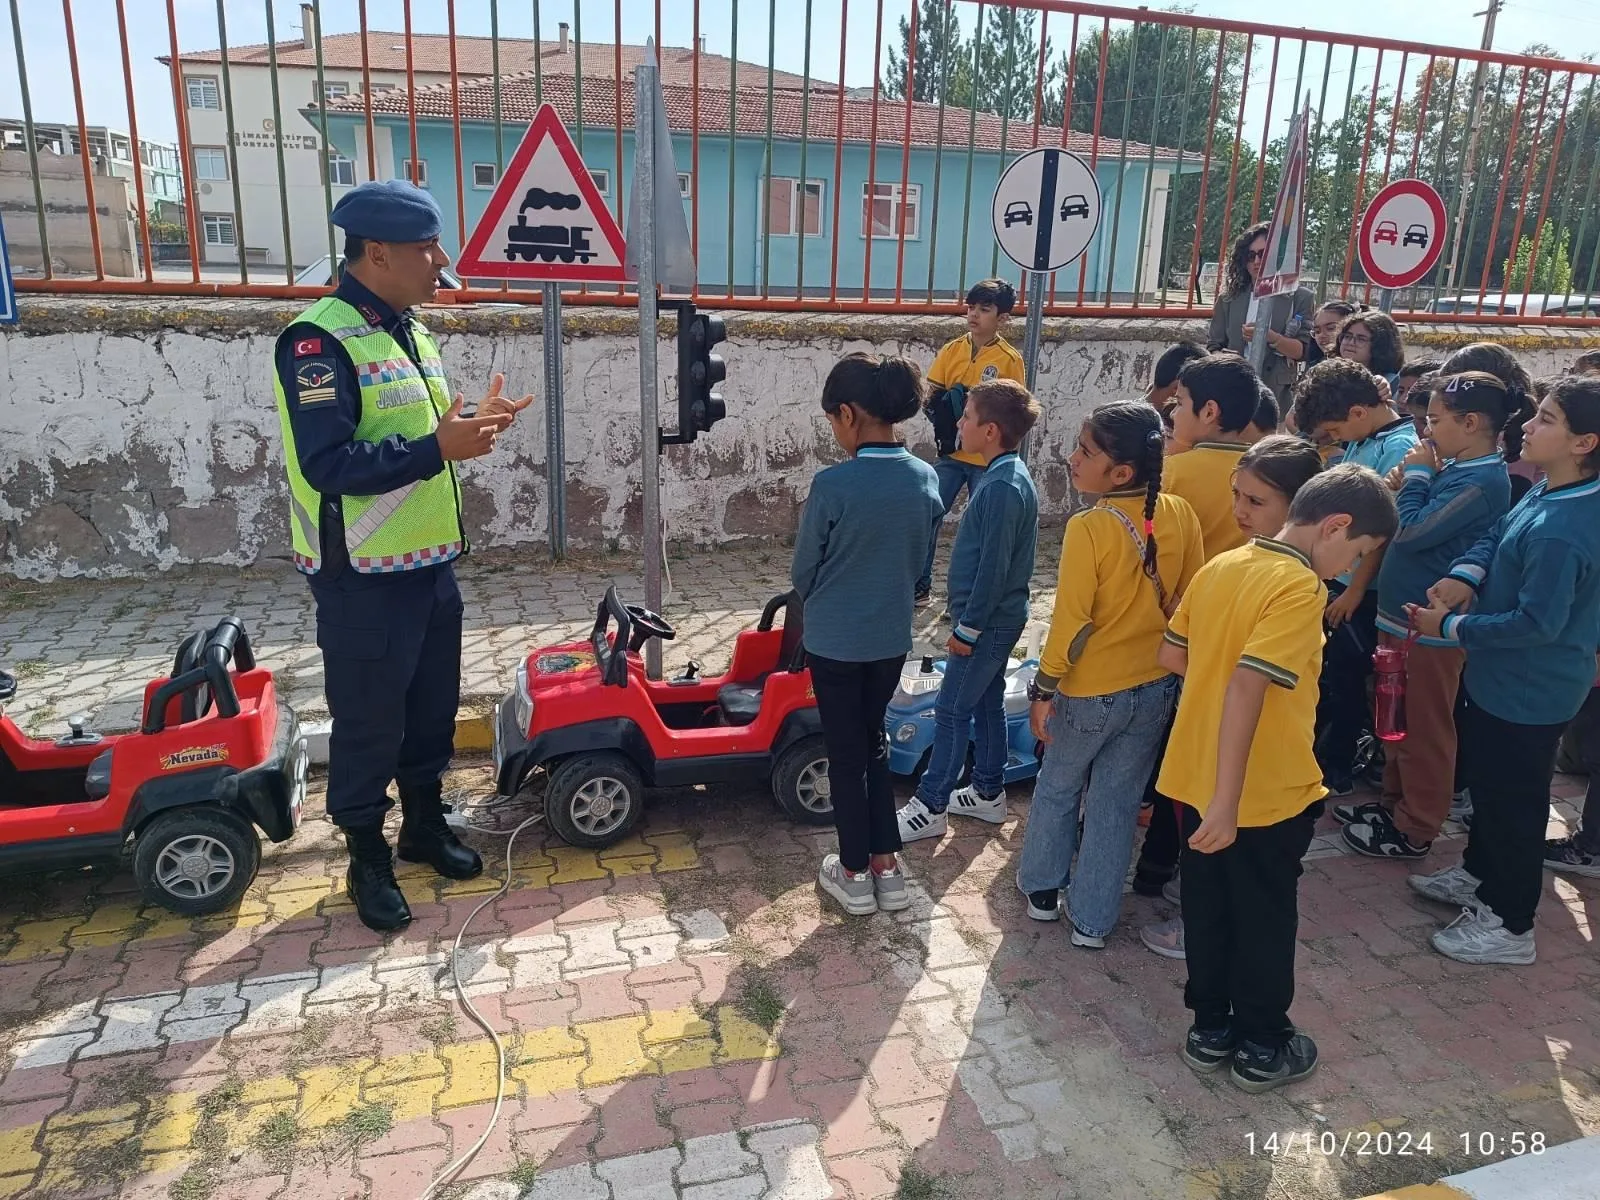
700,405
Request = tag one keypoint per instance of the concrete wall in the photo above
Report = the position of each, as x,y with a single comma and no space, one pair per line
66,215
142,434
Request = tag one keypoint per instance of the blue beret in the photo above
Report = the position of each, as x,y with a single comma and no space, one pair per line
389,211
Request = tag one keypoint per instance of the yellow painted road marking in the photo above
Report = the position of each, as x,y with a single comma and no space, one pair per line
542,1063
292,897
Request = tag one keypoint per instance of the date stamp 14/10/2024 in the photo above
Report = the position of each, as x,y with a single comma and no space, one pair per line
1401,1143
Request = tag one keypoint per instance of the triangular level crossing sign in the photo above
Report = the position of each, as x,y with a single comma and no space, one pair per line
546,221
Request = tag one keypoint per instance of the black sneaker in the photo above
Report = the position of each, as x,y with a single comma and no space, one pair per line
1147,882
1262,1068
1205,1050
1345,814
1377,836
924,596
1567,856
1339,787
1045,905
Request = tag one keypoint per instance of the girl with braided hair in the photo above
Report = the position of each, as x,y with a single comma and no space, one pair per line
1101,703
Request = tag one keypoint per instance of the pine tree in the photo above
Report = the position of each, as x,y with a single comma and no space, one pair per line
942,58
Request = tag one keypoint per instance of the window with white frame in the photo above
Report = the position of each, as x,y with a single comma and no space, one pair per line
334,89
203,91
601,179
685,184
211,162
785,210
417,173
218,229
888,214
341,170
485,175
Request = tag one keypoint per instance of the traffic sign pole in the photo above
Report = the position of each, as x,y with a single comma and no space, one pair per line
1030,341
1385,299
644,186
554,423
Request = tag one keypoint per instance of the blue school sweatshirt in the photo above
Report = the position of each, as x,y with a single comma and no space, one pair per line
992,560
863,540
1383,451
1442,516
1531,637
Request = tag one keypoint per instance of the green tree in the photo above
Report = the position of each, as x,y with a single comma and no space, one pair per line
942,58
1008,64
1552,273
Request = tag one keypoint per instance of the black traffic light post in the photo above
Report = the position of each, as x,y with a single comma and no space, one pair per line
700,405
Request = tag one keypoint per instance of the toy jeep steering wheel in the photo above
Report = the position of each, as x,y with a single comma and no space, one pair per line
647,625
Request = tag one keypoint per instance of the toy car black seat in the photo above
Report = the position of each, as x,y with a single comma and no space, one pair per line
741,702
8,685
207,670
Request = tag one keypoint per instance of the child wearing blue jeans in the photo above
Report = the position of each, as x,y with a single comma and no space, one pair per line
1525,603
1101,702
861,543
990,567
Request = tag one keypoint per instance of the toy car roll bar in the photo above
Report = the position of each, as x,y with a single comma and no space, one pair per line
227,644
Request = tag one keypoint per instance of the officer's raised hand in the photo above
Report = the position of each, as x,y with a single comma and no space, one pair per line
494,404
462,437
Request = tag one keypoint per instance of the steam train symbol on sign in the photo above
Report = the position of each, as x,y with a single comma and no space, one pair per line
548,242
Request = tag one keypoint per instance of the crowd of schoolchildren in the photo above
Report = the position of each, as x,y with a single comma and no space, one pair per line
1217,611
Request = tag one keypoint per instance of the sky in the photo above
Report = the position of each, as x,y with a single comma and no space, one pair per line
1576,31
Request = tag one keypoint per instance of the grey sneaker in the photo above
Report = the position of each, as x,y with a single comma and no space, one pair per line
1461,806
1453,885
1172,891
891,889
1479,936
1165,939
855,893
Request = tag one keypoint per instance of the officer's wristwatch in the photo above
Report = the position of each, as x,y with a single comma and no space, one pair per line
1036,693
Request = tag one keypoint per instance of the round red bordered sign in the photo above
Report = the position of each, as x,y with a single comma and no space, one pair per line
1402,233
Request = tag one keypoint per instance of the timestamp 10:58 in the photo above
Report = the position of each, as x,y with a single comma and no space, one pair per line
1509,1145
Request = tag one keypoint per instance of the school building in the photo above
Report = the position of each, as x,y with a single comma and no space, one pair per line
758,226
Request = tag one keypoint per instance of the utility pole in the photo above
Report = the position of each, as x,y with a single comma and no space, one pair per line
1478,79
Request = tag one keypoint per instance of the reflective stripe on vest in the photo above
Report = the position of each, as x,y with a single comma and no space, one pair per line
417,525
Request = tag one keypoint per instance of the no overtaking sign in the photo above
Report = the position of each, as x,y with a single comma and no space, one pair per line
1046,209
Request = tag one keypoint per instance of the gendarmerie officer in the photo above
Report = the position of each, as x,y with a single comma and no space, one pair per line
371,440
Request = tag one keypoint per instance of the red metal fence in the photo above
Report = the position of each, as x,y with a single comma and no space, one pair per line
1184,118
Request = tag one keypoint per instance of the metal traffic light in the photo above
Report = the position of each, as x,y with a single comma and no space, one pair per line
700,405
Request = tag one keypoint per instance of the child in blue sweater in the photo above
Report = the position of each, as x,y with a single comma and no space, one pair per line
990,567
1533,589
1453,488
862,541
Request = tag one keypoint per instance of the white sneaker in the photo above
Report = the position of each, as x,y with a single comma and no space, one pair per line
916,822
1479,936
1089,941
1461,806
1453,885
969,802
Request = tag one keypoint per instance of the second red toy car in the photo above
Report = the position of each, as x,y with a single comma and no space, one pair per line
601,732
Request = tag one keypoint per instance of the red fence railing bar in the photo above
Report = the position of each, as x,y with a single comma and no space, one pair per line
83,144
133,139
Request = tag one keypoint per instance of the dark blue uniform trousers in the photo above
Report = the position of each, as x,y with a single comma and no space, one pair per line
391,655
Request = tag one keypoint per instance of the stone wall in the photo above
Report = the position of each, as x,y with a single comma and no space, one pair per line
141,434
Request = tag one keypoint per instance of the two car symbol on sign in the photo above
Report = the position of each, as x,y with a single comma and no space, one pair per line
1388,231
1018,212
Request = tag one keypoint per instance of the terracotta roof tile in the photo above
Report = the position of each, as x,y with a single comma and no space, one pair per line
474,56
517,103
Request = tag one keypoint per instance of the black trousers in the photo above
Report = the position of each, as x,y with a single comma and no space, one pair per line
1240,918
851,700
1342,709
1508,768
391,657
1580,753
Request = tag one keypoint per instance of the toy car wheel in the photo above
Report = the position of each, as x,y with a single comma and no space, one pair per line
196,860
800,782
594,800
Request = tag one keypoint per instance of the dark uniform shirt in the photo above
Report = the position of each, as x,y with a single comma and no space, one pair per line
331,459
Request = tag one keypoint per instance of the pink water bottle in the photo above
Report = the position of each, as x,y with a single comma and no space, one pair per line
1389,691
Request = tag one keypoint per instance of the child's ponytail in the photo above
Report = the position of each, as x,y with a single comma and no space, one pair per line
1519,411
888,388
1154,456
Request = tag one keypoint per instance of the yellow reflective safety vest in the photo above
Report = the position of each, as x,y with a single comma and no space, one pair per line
418,525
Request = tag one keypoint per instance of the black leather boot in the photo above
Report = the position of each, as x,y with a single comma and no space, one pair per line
370,882
426,837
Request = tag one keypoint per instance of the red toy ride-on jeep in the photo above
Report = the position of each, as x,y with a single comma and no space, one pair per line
603,732
216,755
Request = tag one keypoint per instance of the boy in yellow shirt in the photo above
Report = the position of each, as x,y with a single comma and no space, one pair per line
1247,638
977,356
1217,399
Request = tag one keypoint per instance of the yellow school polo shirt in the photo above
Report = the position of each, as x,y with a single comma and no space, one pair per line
1203,475
1108,623
959,363
1257,607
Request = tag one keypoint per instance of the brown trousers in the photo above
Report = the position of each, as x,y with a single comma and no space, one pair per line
1419,771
